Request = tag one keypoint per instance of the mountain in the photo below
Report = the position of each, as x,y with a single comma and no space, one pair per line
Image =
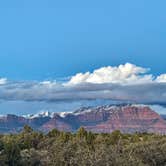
102,119
163,116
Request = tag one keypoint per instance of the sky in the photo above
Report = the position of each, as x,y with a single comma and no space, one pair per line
44,45
50,39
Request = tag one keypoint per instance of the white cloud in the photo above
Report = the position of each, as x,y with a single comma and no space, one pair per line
3,81
161,78
126,82
122,74
49,84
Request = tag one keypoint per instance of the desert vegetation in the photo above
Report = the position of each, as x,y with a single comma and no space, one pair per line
31,148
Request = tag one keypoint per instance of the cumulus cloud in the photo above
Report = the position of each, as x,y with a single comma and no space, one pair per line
3,81
126,82
161,78
123,74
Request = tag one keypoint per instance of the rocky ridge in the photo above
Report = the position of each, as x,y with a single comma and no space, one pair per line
102,119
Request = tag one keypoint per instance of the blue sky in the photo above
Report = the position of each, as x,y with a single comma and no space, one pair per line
46,39
52,40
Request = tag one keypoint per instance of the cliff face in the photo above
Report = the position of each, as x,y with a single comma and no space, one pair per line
132,119
127,119
56,122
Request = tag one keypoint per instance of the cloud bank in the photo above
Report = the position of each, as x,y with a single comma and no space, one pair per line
126,82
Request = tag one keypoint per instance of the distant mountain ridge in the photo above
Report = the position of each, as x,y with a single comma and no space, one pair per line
101,119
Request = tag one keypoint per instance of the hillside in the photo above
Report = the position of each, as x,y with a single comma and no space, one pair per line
103,119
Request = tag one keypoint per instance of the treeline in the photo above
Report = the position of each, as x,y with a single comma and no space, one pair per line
31,148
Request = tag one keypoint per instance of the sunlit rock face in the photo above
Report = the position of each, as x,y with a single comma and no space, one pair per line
130,119
102,119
